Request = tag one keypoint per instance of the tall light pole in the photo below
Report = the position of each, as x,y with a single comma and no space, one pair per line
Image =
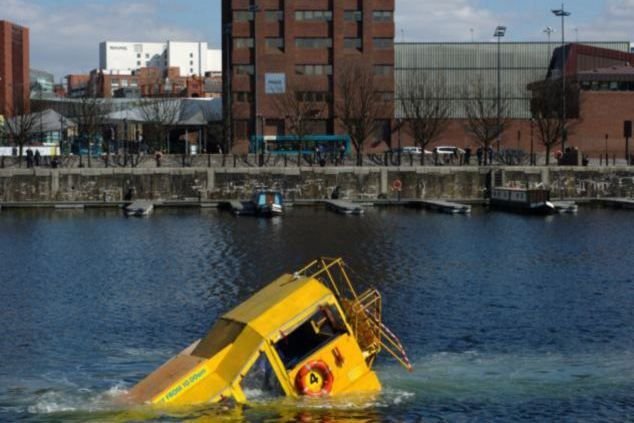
500,31
562,13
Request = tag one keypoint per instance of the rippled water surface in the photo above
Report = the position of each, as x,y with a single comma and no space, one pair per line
506,318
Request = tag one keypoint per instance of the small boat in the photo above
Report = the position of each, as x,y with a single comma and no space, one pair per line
139,209
306,334
268,203
523,200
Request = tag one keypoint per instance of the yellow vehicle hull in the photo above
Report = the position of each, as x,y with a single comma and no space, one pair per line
296,336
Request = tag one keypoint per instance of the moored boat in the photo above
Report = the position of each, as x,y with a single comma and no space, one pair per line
139,209
268,203
306,334
523,200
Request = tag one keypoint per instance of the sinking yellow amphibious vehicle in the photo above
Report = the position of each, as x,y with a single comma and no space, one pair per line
305,334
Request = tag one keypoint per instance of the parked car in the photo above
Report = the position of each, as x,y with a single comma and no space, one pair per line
412,150
448,150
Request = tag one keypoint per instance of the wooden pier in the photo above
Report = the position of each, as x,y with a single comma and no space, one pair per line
566,206
344,207
622,203
238,207
139,208
442,206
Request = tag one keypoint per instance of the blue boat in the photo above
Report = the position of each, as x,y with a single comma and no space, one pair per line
268,203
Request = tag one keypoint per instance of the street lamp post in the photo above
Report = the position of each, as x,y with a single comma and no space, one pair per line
399,123
500,31
562,13
532,160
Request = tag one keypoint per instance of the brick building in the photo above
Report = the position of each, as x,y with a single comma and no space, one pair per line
602,71
14,69
298,47
605,80
143,82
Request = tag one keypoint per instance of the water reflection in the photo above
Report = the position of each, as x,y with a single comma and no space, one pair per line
506,317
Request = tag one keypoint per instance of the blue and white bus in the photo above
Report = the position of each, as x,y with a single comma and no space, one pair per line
293,145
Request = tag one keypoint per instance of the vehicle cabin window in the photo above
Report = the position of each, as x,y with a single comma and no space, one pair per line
322,327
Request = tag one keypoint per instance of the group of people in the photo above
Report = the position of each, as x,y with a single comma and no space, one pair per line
480,153
338,155
33,159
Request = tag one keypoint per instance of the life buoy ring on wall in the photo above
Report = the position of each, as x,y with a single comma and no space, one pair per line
314,379
397,185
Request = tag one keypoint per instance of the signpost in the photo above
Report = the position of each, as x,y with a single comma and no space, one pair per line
627,133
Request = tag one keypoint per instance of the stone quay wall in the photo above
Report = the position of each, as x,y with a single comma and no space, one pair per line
304,183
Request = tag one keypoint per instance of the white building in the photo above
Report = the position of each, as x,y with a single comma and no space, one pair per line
190,58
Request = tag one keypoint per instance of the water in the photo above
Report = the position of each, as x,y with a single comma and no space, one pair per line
506,318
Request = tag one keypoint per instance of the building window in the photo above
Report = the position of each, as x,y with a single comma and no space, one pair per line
191,71
313,96
243,69
383,70
313,69
243,97
191,63
383,42
242,16
313,15
138,63
353,15
383,15
243,42
191,55
147,55
313,42
352,43
138,56
274,15
275,44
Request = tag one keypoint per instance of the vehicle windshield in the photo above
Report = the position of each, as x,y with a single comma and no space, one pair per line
321,328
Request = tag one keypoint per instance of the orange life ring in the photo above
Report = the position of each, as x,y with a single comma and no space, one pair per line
397,185
314,379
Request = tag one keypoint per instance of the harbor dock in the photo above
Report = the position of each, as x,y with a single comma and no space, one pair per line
344,207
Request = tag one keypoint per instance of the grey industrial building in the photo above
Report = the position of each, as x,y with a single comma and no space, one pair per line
459,65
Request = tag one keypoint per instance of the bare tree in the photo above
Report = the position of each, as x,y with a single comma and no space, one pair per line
160,115
90,114
547,111
22,126
426,110
300,110
486,118
214,127
360,107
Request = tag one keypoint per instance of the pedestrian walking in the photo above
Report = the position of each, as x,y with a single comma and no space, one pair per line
29,157
37,158
479,154
342,153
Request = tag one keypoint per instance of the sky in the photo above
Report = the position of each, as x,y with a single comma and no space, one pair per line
65,34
